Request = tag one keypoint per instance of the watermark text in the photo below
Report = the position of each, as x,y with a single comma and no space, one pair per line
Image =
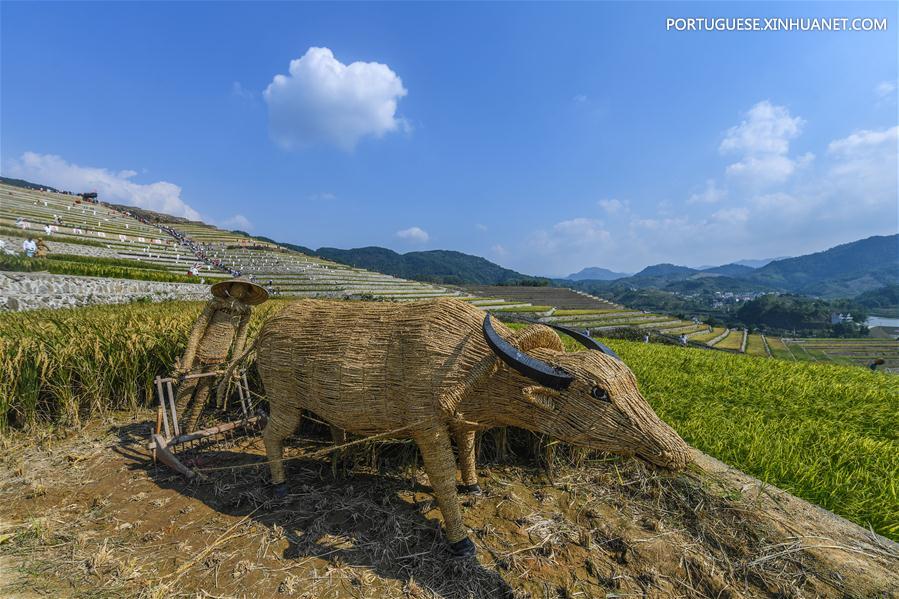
775,24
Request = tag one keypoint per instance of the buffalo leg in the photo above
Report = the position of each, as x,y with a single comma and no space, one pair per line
465,443
440,466
281,424
338,435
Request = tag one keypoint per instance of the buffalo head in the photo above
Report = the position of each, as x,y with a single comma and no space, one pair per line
589,398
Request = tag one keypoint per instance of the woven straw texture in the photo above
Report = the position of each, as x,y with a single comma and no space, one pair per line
248,292
369,368
220,328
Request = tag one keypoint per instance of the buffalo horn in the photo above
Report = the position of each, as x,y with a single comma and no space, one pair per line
541,372
586,340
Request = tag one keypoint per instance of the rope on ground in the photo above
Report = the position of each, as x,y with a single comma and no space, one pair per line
315,454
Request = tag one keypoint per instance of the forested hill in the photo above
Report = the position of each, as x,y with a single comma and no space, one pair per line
434,266
842,271
25,184
845,270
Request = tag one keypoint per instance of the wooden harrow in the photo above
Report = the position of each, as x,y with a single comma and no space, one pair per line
168,436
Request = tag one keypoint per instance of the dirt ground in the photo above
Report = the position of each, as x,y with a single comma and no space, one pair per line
90,515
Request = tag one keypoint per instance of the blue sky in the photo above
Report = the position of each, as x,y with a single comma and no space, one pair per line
545,137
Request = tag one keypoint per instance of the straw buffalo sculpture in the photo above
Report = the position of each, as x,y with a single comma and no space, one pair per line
442,369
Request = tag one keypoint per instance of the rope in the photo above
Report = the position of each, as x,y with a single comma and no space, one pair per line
314,454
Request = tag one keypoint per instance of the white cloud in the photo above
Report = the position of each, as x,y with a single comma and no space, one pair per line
324,196
863,174
851,195
712,194
763,140
578,239
885,88
807,205
731,216
612,206
499,251
480,227
322,100
240,91
579,99
768,169
580,232
238,221
414,234
52,170
766,129
862,141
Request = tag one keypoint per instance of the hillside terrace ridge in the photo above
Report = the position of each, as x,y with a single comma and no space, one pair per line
89,228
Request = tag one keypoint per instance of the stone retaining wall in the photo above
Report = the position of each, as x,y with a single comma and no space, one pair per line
31,291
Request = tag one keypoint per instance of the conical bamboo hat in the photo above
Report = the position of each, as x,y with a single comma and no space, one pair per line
255,293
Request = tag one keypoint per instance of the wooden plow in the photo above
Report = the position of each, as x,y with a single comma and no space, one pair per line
167,437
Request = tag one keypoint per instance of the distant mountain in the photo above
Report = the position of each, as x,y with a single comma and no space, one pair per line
758,263
730,270
842,271
25,184
596,273
657,276
666,271
291,246
434,266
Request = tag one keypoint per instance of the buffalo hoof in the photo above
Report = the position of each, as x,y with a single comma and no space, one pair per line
474,489
463,548
280,490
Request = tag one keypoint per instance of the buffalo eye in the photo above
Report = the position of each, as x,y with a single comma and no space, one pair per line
600,394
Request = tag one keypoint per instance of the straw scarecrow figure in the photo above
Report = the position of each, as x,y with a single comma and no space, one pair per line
219,330
42,248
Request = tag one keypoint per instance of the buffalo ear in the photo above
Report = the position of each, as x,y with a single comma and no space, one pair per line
537,335
542,397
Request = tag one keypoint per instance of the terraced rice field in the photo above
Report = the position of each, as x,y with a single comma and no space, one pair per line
858,352
102,232
561,298
778,348
685,329
755,346
582,312
706,337
90,230
569,310
732,342
521,309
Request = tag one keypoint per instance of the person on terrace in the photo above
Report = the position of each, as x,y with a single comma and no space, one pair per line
29,247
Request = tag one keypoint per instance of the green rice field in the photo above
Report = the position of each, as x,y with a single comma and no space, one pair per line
755,346
732,342
706,337
851,352
822,431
